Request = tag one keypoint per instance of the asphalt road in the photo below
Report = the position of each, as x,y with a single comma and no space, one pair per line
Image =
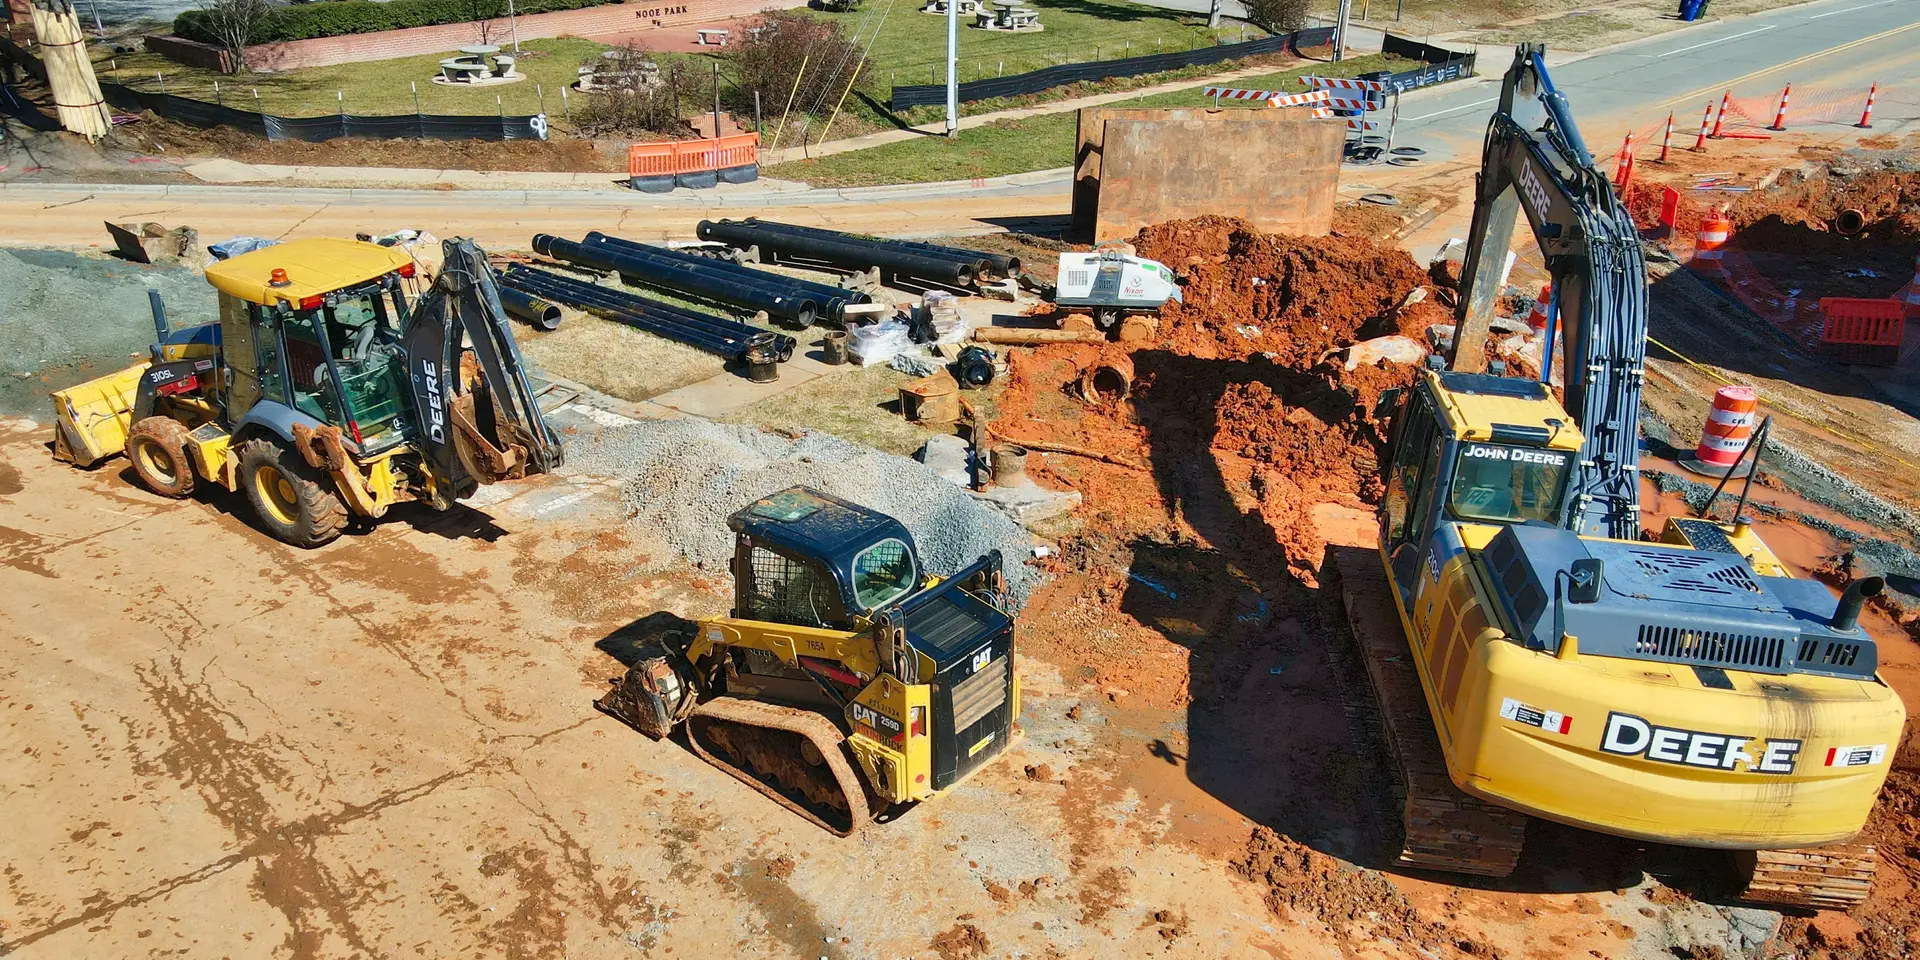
1834,45
1820,47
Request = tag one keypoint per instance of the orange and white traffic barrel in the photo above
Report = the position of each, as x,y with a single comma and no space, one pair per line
1538,318
1708,255
1725,435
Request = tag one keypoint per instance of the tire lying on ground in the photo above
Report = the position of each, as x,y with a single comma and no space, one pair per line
295,502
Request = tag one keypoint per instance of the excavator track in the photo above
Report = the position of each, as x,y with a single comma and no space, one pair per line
1445,828
1833,877
796,757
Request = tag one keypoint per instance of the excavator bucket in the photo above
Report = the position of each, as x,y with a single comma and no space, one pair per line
479,421
91,419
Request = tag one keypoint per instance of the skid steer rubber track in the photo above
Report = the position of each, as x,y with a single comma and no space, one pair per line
1445,828
772,748
1833,877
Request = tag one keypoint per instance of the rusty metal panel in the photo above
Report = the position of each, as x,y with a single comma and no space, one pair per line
1278,169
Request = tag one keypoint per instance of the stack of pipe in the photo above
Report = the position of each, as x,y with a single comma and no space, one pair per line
718,335
923,261
832,301
76,91
779,297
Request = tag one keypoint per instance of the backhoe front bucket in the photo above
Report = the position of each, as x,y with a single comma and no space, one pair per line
91,420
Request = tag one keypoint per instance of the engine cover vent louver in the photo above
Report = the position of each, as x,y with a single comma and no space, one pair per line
1711,647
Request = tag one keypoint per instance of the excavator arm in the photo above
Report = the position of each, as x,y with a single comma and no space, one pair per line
481,425
1599,276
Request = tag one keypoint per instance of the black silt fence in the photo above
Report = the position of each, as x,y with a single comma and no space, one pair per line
199,113
1046,78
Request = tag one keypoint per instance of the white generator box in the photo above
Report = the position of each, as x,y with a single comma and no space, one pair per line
1109,280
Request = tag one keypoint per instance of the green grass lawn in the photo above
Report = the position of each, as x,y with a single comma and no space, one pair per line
911,47
1019,146
373,88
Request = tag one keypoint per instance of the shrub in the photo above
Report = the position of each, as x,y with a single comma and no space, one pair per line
335,18
653,109
1278,16
770,61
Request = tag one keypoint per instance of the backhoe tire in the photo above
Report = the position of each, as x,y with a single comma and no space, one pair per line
296,503
158,448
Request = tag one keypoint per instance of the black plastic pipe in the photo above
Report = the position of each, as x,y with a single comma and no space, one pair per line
966,258
823,291
830,302
665,320
569,290
850,253
530,308
997,263
705,284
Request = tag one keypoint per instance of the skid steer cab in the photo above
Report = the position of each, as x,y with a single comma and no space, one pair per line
846,680
325,390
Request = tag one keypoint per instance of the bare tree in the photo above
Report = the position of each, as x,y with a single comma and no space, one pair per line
1277,16
236,22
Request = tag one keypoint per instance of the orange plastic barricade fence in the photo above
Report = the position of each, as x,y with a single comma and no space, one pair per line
1863,331
697,164
678,158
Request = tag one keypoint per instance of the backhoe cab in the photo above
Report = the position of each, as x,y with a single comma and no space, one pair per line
846,679
323,390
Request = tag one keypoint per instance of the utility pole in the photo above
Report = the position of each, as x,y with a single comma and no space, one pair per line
953,77
1340,29
716,99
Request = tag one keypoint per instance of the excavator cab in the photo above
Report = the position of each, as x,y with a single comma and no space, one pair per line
325,389
1470,448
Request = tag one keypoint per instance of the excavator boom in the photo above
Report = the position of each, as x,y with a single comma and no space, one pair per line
1592,251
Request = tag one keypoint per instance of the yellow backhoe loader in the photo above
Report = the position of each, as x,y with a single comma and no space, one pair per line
323,391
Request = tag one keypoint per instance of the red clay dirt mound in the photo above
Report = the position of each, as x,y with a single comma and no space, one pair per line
1360,906
1232,435
1290,298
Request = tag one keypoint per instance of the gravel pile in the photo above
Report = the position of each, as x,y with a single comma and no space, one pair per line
681,479
66,318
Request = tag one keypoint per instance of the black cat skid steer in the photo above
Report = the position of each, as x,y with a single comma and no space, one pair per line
846,680
325,390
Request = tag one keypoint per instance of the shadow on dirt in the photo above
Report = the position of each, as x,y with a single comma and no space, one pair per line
1283,725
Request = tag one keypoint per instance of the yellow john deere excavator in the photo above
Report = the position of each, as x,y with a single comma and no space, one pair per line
1683,690
323,390
846,680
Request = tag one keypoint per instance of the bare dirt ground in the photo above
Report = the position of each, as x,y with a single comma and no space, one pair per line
226,747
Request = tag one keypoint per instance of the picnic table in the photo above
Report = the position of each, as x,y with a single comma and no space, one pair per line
472,65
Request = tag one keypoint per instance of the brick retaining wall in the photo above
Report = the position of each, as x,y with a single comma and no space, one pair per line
618,18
